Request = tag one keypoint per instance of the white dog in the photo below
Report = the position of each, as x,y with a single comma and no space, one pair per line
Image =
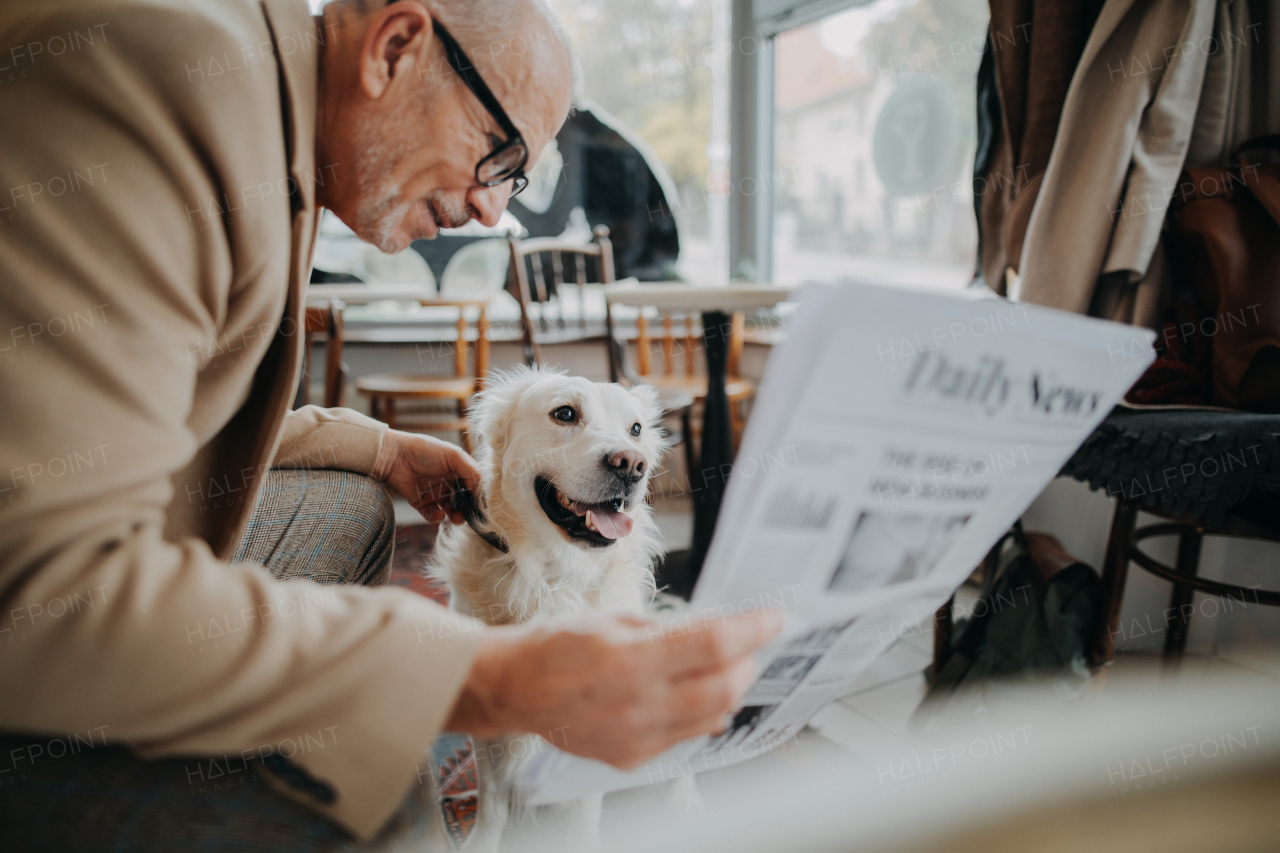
564,528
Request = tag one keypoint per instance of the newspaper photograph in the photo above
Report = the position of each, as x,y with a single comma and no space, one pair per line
896,435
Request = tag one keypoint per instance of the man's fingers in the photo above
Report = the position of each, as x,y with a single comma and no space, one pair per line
741,677
436,512
721,644
702,703
691,729
461,463
470,476
436,465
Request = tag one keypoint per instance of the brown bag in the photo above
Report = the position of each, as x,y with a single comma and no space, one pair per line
1224,243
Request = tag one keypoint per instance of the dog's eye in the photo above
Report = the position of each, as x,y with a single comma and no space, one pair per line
565,414
635,429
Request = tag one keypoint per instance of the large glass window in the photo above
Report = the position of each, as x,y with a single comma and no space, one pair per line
661,67
874,136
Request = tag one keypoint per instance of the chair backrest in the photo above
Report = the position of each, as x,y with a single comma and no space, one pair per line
690,343
680,343
537,274
324,321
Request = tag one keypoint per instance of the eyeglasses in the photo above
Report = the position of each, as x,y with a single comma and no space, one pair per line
508,160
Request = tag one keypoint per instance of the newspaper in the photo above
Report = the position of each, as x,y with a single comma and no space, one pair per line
896,435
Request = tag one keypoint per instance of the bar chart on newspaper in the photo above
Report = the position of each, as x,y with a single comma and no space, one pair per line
896,435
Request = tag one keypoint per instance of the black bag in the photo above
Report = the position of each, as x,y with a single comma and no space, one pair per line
1038,610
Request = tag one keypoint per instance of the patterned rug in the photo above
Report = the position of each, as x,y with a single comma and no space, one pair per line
414,544
451,754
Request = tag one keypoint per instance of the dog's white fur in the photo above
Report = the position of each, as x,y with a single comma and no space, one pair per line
545,573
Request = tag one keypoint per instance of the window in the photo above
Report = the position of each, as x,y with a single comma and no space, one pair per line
873,141
661,67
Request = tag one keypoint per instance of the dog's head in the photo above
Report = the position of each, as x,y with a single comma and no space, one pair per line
564,456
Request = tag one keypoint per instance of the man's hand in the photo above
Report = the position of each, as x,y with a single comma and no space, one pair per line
423,471
619,688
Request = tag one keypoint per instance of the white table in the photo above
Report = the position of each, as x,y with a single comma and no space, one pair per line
318,295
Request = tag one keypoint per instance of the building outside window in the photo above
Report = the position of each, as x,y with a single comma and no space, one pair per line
873,139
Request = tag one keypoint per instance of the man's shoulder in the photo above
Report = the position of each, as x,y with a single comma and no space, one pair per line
208,66
180,99
212,14
147,32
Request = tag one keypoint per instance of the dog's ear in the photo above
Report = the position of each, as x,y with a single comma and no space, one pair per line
495,406
649,404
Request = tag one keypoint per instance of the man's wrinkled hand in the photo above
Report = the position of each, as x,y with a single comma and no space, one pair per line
616,688
424,471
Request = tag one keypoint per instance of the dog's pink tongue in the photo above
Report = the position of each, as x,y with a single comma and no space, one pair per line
610,525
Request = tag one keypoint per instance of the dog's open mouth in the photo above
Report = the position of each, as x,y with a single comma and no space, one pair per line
598,524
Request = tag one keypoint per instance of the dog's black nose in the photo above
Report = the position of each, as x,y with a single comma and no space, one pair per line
625,464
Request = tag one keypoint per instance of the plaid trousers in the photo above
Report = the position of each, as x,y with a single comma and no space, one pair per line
328,526
331,526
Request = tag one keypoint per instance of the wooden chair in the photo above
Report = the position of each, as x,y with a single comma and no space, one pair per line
1211,473
537,274
386,390
687,337
678,392
324,323
1202,473
1122,548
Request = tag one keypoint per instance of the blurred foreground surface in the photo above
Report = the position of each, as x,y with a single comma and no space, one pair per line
1158,759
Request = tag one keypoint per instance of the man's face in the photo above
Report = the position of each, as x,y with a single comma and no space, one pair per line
415,148
415,171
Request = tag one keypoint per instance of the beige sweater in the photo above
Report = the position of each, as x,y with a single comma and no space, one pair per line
157,217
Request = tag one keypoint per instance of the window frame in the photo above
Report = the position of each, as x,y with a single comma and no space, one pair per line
755,24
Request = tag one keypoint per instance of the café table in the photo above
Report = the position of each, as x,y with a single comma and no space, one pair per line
716,302
363,294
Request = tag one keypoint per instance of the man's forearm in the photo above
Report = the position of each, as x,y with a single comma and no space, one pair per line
313,437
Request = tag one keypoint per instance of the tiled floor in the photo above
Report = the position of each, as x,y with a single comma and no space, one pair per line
872,717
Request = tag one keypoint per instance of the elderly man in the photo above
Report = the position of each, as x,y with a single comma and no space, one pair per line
163,166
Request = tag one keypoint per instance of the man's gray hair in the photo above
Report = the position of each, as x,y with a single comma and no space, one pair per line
487,22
